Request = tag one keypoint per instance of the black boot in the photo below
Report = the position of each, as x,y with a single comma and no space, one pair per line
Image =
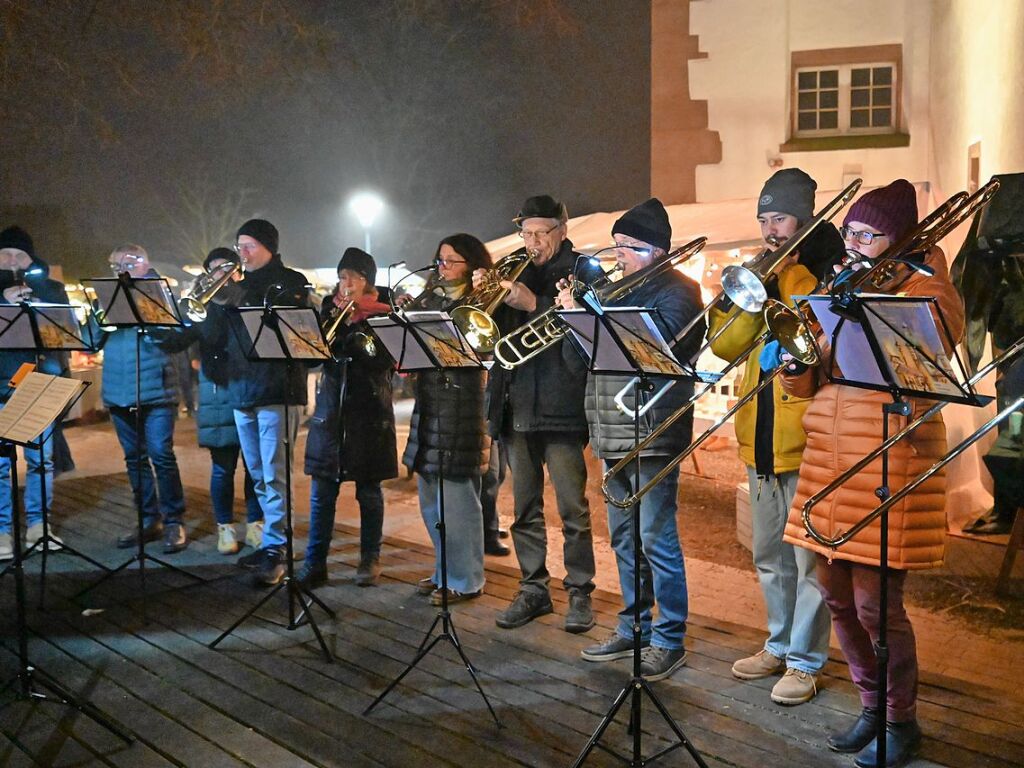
901,742
855,739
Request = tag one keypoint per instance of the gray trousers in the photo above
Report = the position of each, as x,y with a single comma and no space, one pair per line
563,454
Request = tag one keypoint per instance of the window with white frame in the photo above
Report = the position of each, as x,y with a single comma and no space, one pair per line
845,99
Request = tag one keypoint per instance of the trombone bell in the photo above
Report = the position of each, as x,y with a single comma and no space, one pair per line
744,288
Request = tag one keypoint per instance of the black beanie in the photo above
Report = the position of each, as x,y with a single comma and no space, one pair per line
542,207
221,254
788,191
16,237
262,231
359,261
647,222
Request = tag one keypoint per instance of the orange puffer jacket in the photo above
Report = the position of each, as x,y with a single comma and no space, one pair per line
843,424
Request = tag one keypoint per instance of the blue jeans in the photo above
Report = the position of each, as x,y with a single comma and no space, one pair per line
798,619
464,529
261,434
323,501
222,486
33,498
154,452
662,571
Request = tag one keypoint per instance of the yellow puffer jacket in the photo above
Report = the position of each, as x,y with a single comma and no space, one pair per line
787,431
843,425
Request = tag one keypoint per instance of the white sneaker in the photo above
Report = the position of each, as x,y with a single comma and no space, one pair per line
35,532
6,547
227,544
254,534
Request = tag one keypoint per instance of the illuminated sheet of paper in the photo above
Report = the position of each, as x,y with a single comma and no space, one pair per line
37,402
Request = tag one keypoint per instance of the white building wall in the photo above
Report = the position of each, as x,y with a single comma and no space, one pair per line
746,82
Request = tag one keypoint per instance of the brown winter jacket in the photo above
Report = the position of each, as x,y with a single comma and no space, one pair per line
843,424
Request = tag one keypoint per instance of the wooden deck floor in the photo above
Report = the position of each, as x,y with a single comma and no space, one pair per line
267,698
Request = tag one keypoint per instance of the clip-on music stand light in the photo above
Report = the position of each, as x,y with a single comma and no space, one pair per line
429,341
626,341
44,327
289,334
865,317
32,683
139,303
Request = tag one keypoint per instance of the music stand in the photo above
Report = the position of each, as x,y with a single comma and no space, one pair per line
289,334
626,341
38,327
140,303
38,402
425,341
890,344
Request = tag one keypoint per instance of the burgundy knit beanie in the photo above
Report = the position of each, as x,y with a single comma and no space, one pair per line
891,210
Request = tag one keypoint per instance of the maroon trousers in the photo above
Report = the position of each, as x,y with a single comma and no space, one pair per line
851,592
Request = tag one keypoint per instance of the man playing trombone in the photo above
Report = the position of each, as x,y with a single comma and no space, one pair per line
537,409
644,235
771,442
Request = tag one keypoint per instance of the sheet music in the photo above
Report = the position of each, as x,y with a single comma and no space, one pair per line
853,353
37,402
400,344
432,337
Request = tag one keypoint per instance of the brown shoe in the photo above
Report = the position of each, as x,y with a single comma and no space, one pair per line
368,571
761,664
795,687
453,596
425,586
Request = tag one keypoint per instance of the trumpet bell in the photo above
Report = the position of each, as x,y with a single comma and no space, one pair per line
477,326
192,308
744,287
791,331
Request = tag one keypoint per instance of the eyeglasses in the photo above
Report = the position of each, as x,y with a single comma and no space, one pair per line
245,247
537,234
449,262
863,237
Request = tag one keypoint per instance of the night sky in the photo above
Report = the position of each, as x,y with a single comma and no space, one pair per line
170,123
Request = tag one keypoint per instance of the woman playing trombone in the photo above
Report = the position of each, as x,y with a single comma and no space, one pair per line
843,424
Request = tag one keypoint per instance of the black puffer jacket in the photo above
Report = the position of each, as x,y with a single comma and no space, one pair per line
677,299
546,393
352,432
258,382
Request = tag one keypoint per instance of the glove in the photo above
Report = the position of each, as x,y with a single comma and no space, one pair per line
771,356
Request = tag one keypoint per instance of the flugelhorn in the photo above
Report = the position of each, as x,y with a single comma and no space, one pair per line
473,316
529,340
842,537
193,303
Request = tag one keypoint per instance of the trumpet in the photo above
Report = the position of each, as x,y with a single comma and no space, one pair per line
193,303
335,318
473,315
529,340
844,536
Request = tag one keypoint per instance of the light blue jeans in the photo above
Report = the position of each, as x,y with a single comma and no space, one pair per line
261,434
798,619
33,498
464,525
662,571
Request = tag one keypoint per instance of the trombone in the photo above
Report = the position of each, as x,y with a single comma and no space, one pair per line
473,316
745,286
844,536
529,340
193,302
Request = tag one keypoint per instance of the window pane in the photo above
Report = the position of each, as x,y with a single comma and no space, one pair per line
807,121
859,118
860,77
881,117
808,100
883,75
881,97
828,119
859,97
807,80
828,99
830,78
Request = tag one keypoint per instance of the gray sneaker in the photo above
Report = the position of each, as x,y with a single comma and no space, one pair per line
580,617
658,663
525,607
614,647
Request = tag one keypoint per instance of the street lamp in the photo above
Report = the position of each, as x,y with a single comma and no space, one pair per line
366,206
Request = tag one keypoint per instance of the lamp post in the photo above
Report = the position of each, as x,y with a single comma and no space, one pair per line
366,206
